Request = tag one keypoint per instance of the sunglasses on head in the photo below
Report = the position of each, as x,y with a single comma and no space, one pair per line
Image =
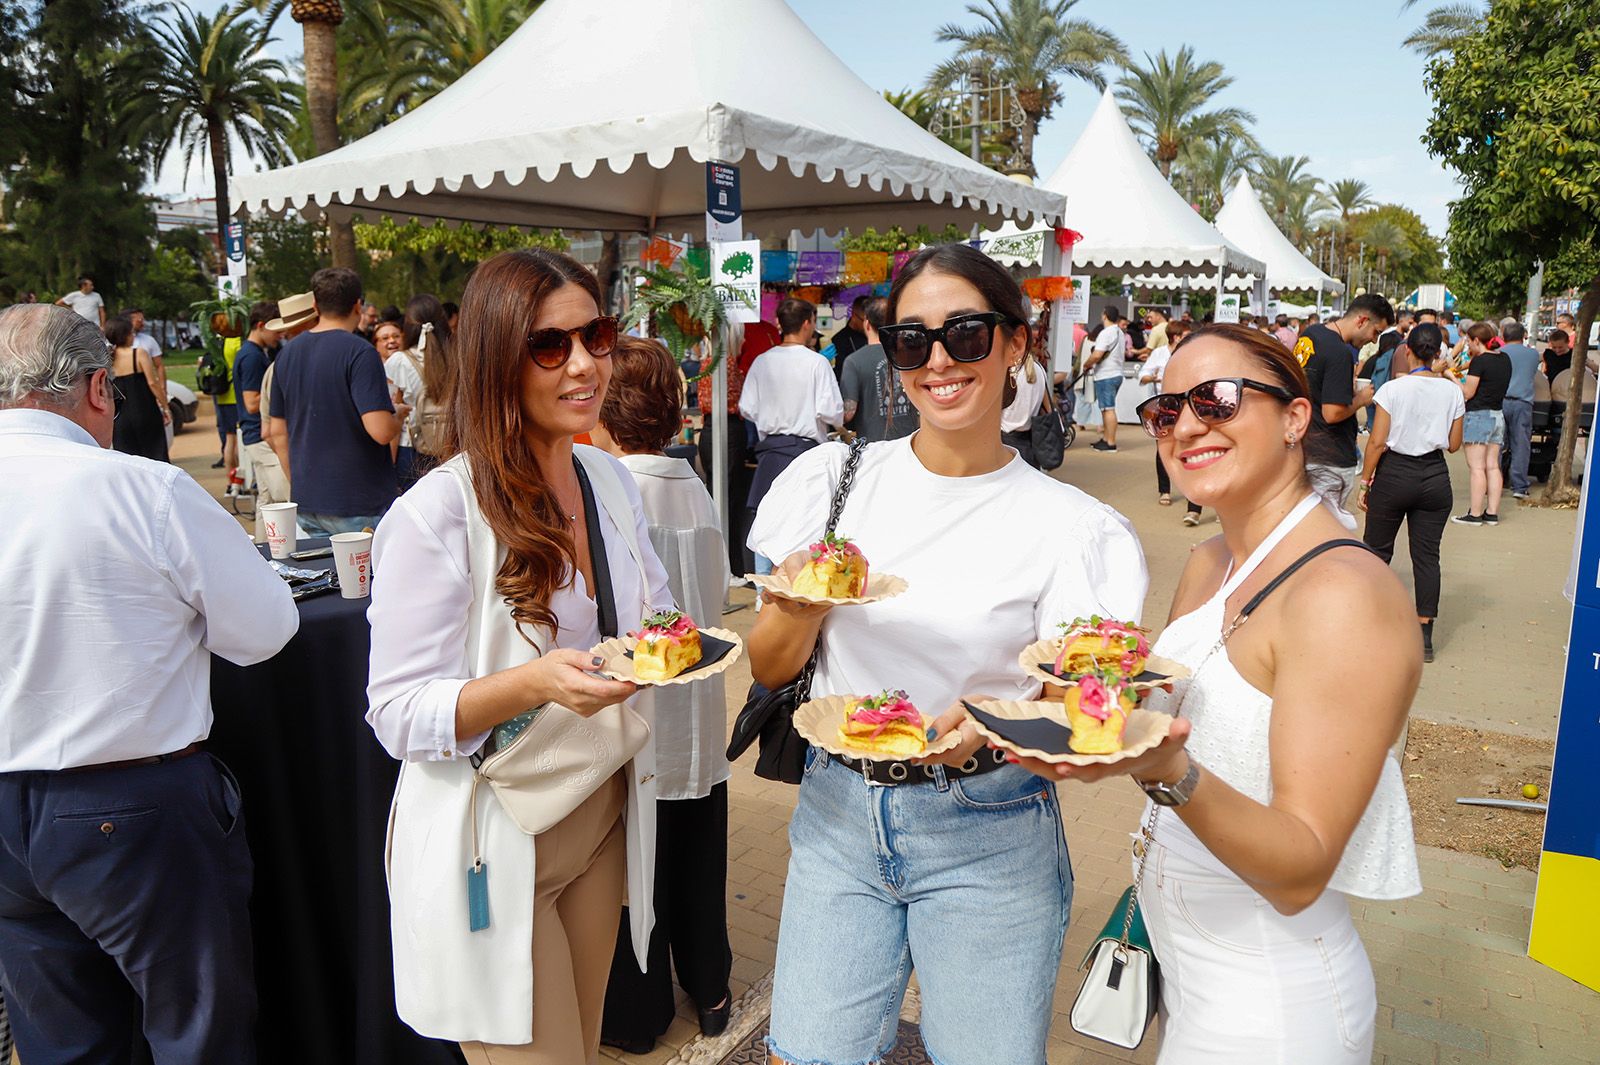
1213,402
967,338
551,348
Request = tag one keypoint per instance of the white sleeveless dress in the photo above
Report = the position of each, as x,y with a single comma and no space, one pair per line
1240,982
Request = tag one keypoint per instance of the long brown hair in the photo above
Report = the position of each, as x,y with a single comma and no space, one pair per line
425,309
499,306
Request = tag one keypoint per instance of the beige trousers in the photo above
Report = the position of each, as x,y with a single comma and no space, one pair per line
580,873
271,485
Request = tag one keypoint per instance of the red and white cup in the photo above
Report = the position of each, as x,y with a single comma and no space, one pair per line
279,521
352,558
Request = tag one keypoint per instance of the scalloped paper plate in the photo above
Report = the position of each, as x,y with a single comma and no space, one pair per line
818,722
1145,730
1038,661
619,660
879,586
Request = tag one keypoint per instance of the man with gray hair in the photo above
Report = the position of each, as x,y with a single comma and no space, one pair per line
124,872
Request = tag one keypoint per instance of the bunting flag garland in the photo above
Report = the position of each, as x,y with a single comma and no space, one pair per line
1046,289
849,295
662,252
811,294
777,267
819,267
900,260
865,267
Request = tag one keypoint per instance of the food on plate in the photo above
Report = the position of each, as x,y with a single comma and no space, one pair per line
837,570
1097,707
1100,644
885,724
668,644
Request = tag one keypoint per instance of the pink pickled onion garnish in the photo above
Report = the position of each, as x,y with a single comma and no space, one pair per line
884,710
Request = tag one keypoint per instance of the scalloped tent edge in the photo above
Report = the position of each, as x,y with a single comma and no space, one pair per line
537,135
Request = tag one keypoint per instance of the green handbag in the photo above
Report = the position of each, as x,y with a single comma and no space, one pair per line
1121,994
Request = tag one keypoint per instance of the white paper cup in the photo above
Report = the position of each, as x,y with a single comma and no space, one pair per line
352,557
283,535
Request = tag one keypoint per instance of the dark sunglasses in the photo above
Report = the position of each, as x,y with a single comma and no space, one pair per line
1213,402
967,337
551,348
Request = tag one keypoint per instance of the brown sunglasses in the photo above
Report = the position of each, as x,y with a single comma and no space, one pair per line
551,348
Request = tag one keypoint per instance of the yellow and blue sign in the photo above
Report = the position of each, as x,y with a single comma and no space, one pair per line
1566,909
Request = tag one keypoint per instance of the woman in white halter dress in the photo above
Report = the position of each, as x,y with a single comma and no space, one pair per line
1277,795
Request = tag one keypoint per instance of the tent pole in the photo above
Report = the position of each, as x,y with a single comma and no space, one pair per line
719,437
1222,271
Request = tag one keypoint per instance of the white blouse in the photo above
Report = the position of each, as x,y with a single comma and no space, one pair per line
419,665
691,719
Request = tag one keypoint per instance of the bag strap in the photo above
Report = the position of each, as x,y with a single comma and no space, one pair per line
841,492
604,598
1288,571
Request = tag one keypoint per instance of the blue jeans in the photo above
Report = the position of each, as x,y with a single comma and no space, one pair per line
1518,414
328,524
969,877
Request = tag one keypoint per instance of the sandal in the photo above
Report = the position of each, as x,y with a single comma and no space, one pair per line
1165,500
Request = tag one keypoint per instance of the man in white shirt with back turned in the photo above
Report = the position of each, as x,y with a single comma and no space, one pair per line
124,872
792,398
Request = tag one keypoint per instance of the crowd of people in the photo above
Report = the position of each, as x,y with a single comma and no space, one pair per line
517,459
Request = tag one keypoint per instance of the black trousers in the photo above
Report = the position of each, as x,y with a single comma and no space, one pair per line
1164,483
1416,489
124,909
691,922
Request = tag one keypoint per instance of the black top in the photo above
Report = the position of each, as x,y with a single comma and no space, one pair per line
846,342
1493,371
1554,363
1330,368
138,428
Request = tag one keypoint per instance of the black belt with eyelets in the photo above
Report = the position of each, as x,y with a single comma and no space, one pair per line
985,760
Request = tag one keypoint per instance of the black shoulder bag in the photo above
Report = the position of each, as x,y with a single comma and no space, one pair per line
768,715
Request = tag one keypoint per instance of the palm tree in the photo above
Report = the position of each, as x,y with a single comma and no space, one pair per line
1165,103
1293,197
319,21
1207,169
1349,196
207,84
1031,45
1385,238
427,56
1445,27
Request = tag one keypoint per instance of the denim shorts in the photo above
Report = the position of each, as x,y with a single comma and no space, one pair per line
1484,427
1105,393
969,877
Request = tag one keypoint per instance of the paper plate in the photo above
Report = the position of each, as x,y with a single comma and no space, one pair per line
1038,660
719,649
1039,730
818,722
879,586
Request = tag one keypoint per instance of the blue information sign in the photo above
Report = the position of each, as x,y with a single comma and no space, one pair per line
235,242
724,213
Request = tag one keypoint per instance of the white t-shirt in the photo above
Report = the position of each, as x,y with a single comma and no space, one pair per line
791,390
1111,341
1156,365
1030,397
1421,411
87,304
404,376
993,564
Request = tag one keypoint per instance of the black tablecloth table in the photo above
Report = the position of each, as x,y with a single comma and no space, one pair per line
316,788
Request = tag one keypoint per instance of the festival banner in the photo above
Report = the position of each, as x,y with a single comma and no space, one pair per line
769,305
662,252
811,294
865,267
736,265
900,260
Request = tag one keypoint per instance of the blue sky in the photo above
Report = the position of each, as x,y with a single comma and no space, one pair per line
1329,81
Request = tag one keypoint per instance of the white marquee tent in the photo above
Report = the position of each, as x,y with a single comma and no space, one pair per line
1245,221
601,116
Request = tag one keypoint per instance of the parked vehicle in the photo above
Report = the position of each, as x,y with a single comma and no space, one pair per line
183,403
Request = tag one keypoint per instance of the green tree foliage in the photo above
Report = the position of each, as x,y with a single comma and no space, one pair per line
1291,194
1444,27
206,86
1349,196
1412,255
1167,99
407,258
284,253
1517,115
897,239
170,280
1207,169
1031,45
68,74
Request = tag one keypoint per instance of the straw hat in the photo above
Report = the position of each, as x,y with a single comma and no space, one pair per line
294,311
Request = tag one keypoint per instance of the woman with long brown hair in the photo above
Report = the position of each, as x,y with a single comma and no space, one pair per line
494,576
420,374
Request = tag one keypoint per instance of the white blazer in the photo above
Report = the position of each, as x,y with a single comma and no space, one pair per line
452,983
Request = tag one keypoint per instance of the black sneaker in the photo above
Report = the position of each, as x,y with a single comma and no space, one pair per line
1467,519
1491,519
1101,445
217,465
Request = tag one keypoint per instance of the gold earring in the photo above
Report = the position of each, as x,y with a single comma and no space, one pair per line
1289,441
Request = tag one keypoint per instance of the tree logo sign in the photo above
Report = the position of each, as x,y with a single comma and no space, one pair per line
739,265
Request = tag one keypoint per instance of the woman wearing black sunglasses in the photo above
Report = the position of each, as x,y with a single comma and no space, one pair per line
499,570
957,867
1274,798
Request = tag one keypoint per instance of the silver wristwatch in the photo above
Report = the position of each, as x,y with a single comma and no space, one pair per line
1173,794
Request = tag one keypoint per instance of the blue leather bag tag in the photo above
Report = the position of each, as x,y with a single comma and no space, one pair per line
478,897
